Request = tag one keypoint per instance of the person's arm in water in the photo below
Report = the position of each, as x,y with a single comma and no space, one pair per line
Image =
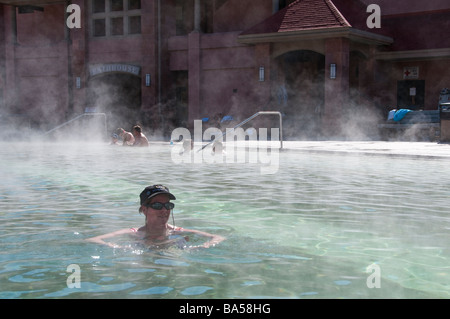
100,239
214,239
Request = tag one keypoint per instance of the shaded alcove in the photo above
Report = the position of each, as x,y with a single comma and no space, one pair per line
118,95
300,87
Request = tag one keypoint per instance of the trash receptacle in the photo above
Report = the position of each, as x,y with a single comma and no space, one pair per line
444,115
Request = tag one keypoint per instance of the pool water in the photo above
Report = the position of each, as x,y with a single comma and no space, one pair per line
313,229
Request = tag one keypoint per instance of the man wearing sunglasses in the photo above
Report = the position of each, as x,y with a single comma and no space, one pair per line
156,207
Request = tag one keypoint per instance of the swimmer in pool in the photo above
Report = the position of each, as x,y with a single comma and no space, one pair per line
156,207
139,138
127,137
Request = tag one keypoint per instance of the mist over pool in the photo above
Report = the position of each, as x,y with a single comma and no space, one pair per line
324,226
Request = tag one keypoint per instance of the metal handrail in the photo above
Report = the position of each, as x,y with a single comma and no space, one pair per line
77,118
248,120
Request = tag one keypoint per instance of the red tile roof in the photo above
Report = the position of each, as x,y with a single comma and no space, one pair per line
302,15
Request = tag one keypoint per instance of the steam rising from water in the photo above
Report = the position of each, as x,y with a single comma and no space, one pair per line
316,224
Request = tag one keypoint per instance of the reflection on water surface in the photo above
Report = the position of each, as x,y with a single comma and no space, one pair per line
308,231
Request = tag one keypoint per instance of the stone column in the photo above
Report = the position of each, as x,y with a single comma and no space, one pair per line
78,48
262,59
151,54
336,90
197,16
10,87
194,67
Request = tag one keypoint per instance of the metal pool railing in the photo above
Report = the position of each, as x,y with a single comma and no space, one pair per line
248,120
100,126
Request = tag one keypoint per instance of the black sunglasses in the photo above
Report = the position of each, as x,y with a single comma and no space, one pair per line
159,206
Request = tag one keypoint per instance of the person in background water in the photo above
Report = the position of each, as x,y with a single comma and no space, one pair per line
139,137
156,232
114,139
127,137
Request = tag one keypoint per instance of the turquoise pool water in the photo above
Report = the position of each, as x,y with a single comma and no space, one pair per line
311,230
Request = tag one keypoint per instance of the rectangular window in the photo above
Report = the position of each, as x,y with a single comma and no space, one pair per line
99,28
115,17
98,6
117,26
134,4
116,5
134,25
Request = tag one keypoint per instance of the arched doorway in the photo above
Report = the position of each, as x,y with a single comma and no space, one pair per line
300,78
118,95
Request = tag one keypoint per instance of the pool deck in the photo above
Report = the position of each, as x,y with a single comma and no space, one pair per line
412,149
382,148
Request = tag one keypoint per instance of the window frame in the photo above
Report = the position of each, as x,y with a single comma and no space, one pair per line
107,15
